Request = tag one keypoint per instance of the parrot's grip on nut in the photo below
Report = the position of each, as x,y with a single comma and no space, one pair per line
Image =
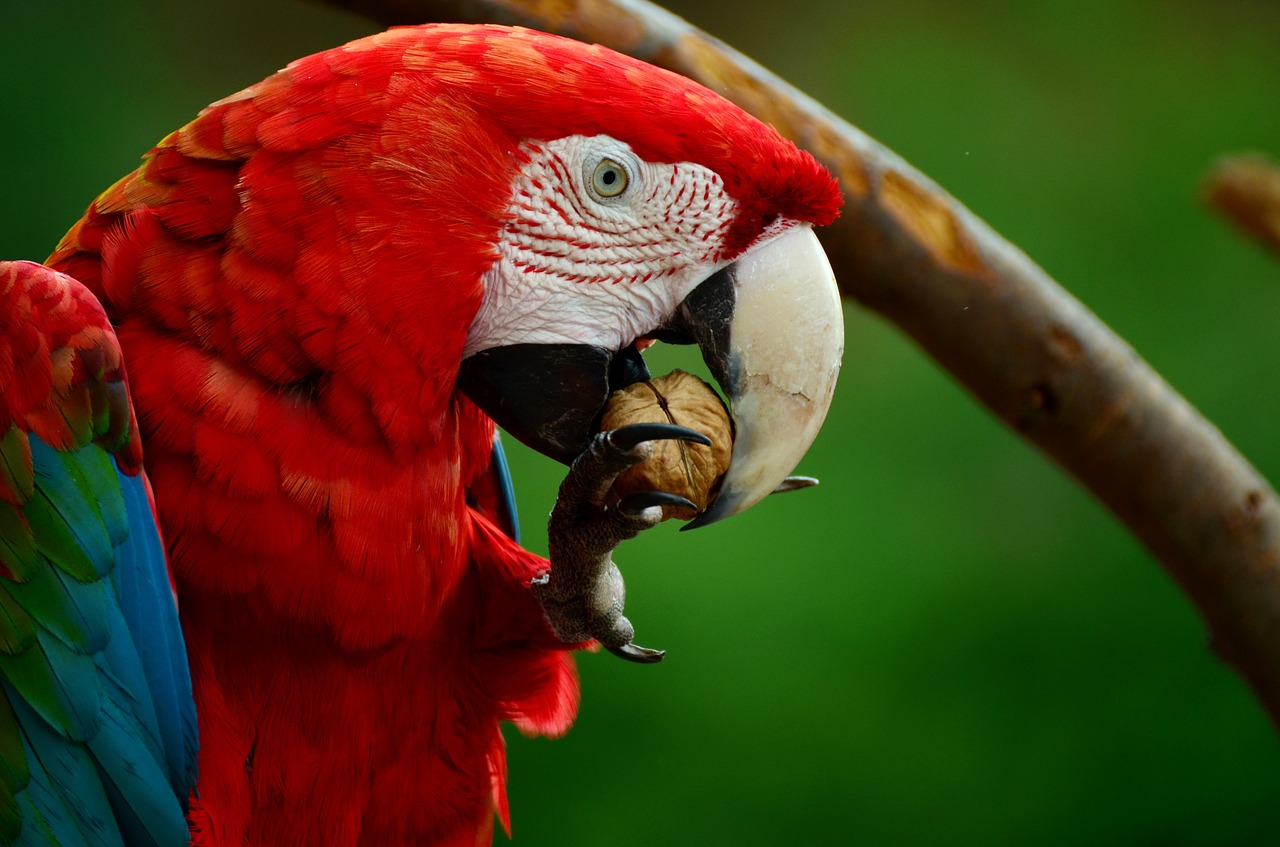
583,593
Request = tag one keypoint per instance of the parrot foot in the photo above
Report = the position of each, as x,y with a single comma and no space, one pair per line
583,594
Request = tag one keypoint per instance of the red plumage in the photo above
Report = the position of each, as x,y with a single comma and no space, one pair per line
292,276
61,373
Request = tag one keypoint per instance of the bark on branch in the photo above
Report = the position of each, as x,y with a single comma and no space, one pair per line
1245,189
1026,348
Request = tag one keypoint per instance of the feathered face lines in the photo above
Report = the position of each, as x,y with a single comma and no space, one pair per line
599,246
591,210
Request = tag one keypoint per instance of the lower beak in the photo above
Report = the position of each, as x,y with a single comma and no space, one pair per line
771,331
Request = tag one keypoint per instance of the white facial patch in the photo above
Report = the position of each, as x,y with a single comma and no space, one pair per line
600,247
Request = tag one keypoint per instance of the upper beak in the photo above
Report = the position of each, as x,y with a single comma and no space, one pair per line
770,329
776,353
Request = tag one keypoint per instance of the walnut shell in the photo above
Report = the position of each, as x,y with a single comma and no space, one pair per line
679,467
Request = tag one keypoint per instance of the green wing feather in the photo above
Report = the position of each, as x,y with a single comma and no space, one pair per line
97,736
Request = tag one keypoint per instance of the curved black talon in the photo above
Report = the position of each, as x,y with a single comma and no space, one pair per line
627,437
636,653
634,504
794,483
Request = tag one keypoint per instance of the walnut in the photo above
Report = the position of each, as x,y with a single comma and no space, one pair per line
678,467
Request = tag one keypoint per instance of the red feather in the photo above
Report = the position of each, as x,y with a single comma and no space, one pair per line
61,373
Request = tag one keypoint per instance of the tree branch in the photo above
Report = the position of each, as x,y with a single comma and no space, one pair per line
1245,189
1026,348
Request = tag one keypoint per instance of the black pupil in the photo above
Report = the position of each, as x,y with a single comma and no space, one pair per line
609,177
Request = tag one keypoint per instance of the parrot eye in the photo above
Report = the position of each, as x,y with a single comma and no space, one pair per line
610,178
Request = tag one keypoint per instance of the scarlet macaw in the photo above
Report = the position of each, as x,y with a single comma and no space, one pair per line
327,288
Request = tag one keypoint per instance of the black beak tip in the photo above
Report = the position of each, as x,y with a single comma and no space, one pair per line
719,509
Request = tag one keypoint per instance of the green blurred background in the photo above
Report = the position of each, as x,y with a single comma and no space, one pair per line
948,642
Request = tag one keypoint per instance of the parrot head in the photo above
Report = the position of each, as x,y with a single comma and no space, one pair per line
645,208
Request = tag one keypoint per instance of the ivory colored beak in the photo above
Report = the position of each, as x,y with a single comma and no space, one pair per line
785,339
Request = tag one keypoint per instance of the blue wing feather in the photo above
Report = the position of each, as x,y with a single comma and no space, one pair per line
64,787
508,519
110,743
74,612
146,601
491,494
